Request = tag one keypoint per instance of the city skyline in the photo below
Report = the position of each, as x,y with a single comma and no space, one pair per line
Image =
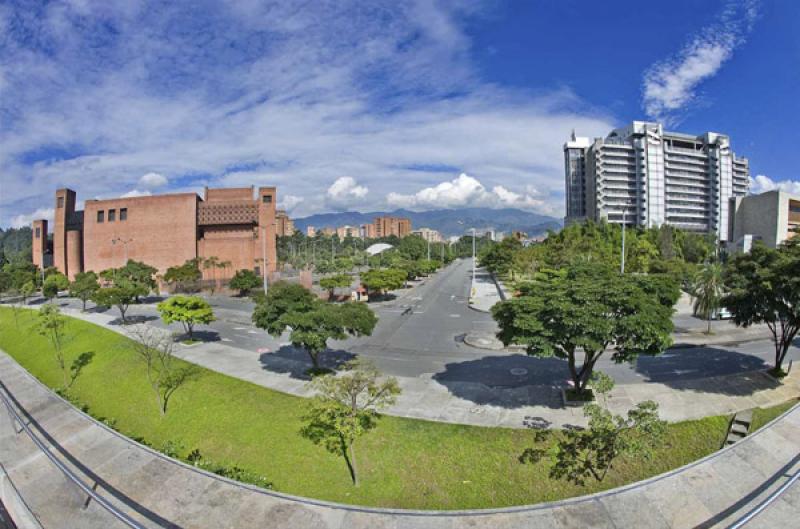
420,107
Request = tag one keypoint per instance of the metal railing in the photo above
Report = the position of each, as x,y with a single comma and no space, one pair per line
89,491
769,500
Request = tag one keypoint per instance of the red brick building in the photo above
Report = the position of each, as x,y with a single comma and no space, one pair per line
386,226
233,224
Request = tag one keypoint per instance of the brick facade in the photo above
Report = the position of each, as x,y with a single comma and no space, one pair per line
235,225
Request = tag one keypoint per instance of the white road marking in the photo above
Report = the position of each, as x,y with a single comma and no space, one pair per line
252,332
226,340
455,315
240,328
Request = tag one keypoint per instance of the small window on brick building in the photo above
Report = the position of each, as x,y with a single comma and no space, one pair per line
101,216
38,233
257,270
60,202
267,199
112,215
123,214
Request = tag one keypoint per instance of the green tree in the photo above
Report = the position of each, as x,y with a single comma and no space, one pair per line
707,291
120,295
330,283
381,280
497,259
763,286
165,375
584,311
84,286
137,273
53,284
182,278
27,290
413,247
52,325
188,310
244,281
312,322
346,407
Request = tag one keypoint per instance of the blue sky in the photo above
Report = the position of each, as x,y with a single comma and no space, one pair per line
367,105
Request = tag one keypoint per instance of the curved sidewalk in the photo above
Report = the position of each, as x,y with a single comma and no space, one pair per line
479,404
160,492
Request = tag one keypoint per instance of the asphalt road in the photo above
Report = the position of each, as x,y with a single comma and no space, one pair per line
420,334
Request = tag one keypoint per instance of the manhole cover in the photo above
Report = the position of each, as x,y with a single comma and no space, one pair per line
518,371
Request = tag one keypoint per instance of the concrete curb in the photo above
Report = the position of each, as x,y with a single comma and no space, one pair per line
14,503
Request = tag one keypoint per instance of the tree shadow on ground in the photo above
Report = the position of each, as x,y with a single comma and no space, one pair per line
707,370
146,300
133,319
295,361
507,381
203,336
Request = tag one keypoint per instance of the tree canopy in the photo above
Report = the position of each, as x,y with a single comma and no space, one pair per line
84,286
763,286
244,281
586,309
188,310
311,322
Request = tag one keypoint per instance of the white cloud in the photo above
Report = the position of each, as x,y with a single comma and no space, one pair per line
289,202
670,86
467,191
386,94
345,192
153,180
135,193
762,183
22,220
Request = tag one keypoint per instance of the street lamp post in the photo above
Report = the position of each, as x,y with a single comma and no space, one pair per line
429,249
473,253
622,260
124,243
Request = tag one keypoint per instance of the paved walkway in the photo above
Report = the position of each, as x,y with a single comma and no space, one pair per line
485,291
476,403
161,492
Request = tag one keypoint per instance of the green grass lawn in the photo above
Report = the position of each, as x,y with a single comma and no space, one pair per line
403,463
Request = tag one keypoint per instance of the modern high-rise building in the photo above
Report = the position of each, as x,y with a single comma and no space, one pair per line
284,226
645,176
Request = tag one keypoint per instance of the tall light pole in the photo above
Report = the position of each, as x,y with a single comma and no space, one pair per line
622,261
124,243
473,253
429,249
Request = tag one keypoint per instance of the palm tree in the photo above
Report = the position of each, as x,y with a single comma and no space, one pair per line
707,291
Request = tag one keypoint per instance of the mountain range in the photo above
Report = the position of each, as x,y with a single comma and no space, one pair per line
448,222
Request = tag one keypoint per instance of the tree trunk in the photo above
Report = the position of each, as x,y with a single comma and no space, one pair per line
314,359
353,470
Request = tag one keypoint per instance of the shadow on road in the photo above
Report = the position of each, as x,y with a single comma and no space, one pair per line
704,369
296,362
507,381
130,320
204,336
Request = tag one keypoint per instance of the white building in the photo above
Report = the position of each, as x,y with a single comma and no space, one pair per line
771,217
428,234
646,176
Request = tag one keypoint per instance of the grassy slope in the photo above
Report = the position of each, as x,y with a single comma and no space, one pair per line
403,463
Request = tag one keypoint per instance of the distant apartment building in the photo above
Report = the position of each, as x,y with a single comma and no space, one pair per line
388,226
348,231
428,234
328,231
645,176
771,217
311,231
232,224
367,231
284,226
